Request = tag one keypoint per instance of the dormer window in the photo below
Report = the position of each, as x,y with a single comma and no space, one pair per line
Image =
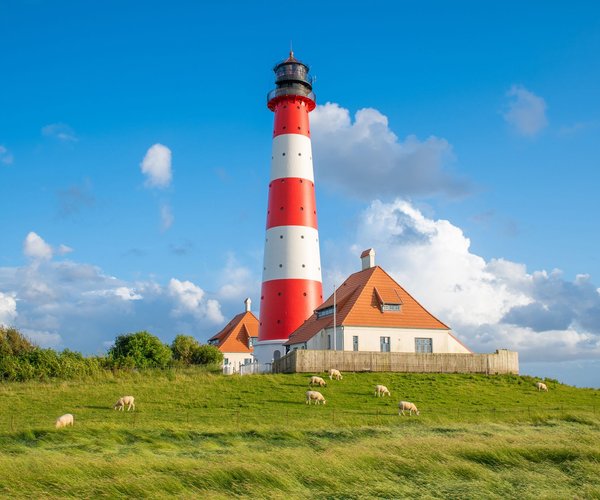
327,311
251,341
389,299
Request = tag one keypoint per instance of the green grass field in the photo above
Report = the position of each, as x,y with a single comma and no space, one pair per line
211,436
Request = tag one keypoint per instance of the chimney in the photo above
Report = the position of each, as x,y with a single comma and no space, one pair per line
248,303
368,258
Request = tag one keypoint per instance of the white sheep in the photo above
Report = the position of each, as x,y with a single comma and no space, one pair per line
541,386
333,373
317,381
315,396
381,390
405,405
125,400
64,421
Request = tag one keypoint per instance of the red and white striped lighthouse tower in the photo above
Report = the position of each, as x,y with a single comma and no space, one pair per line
291,288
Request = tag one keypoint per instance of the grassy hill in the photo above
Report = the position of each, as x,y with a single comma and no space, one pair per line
195,433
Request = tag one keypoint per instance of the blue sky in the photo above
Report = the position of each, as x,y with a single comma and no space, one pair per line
461,140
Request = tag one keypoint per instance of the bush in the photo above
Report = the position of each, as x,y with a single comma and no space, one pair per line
207,355
140,350
13,342
183,348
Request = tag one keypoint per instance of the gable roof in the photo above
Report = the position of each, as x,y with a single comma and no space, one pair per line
234,337
358,302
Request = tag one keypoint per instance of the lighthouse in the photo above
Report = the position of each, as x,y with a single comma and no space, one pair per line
291,279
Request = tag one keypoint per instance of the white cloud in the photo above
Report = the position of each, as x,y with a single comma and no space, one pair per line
85,307
190,298
366,159
60,131
238,281
43,338
63,249
166,217
156,166
489,303
5,156
36,248
526,111
8,308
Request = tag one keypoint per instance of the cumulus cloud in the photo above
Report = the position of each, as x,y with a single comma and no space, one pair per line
156,166
238,281
60,131
5,156
42,338
526,112
366,159
190,298
166,217
490,304
75,305
36,248
8,309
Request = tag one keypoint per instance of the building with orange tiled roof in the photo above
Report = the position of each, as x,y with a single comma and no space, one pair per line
236,340
374,313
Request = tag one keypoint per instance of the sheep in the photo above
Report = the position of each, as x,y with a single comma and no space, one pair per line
317,381
381,390
125,400
315,396
405,405
64,421
541,386
333,373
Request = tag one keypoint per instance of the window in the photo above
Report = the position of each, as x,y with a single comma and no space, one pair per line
276,354
247,361
328,311
251,341
355,343
328,341
225,361
390,307
423,345
384,344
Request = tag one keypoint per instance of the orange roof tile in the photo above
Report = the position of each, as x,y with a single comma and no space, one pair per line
358,302
234,337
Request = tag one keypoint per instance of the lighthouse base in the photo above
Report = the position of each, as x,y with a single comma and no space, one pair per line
267,351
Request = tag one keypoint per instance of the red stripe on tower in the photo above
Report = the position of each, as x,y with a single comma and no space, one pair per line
291,288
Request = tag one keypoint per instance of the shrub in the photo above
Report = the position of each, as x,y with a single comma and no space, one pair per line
207,355
140,350
183,348
13,342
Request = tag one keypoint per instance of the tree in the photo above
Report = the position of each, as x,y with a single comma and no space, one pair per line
207,355
183,348
140,350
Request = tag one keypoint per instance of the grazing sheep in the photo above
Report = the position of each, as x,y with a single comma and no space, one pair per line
125,400
64,421
541,386
317,381
315,396
405,405
333,373
381,390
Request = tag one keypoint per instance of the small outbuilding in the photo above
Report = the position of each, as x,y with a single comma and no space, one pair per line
236,340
